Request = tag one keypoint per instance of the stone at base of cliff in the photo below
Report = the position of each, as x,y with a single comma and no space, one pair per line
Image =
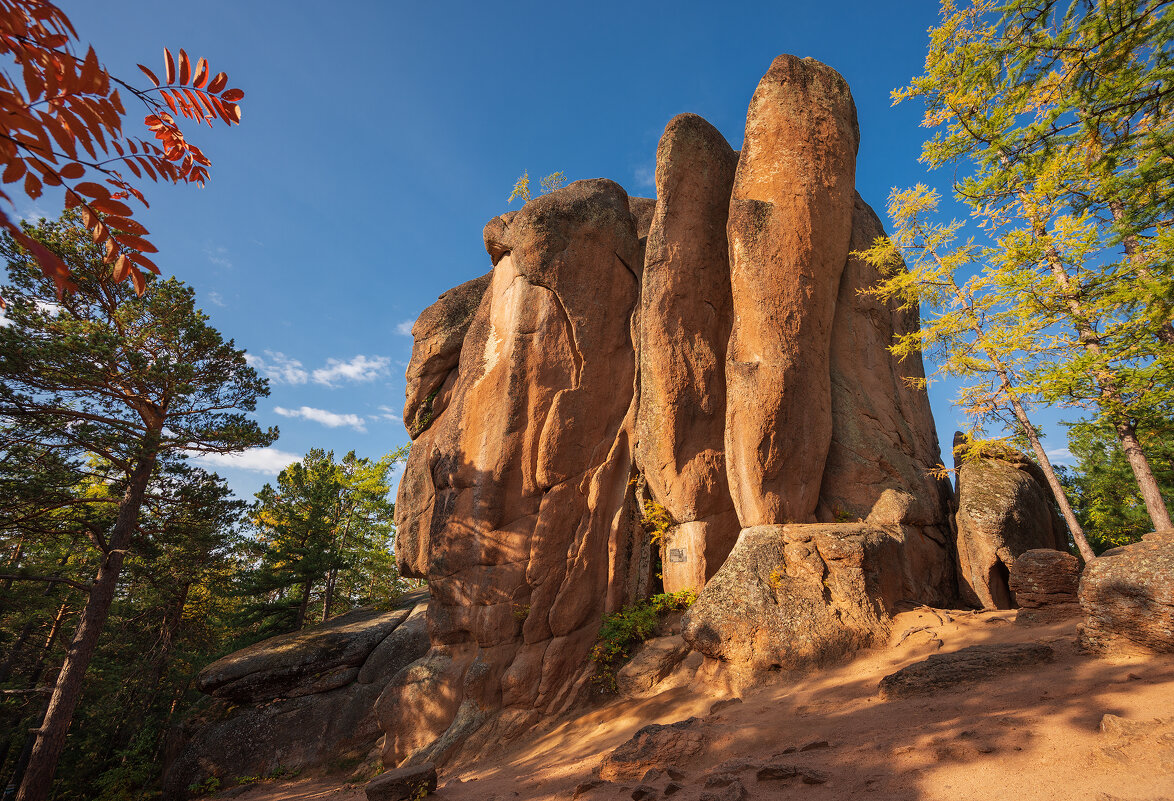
655,660
967,666
1044,577
1127,595
654,746
804,595
404,784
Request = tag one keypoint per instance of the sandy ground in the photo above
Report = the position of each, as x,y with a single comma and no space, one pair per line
1027,736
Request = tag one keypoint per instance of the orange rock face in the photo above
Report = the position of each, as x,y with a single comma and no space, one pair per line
789,226
683,332
530,527
709,352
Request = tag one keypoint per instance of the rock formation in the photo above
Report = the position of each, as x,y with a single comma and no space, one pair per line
1127,596
726,368
321,683
1004,509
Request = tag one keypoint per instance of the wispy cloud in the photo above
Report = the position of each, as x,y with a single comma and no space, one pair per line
217,298
326,418
404,329
388,413
361,368
218,255
645,177
1060,455
278,367
269,461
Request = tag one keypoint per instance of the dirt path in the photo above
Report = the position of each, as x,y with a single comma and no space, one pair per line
1033,735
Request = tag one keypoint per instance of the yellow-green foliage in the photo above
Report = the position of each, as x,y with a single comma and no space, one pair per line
631,625
556,180
656,521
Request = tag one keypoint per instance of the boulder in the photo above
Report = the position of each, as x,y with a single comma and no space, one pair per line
405,784
1044,577
800,596
275,687
685,318
940,672
790,223
651,664
313,660
1004,509
655,746
1127,598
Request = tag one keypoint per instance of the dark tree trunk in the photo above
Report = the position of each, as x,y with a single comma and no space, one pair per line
50,737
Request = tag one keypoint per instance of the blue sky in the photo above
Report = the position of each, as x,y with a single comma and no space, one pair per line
379,137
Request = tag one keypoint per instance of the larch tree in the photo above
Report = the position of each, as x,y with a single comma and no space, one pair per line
101,373
1059,114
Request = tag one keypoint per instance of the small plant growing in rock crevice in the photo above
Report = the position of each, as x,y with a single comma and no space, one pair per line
656,521
631,625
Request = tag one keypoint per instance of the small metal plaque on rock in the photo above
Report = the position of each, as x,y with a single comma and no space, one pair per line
677,555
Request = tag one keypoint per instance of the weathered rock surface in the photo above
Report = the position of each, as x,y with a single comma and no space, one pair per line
685,319
437,335
655,746
405,784
1004,509
884,447
1127,596
1044,577
275,709
651,664
710,352
304,662
789,229
531,533
799,596
970,665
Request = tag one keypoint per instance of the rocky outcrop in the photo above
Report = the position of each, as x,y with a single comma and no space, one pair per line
1127,597
1044,578
1004,509
709,357
800,596
685,316
531,532
655,746
789,229
321,683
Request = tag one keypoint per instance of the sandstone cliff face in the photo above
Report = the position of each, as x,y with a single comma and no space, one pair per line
726,368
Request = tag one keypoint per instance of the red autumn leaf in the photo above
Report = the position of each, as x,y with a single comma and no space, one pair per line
201,75
233,95
141,245
120,268
73,171
126,226
137,279
149,74
169,67
92,189
184,67
139,258
217,83
14,171
110,206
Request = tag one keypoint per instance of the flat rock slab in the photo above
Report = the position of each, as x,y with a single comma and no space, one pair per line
403,784
967,666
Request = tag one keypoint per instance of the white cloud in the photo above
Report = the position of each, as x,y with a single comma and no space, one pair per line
645,177
326,418
404,329
1060,455
216,298
278,367
389,413
218,256
269,461
360,368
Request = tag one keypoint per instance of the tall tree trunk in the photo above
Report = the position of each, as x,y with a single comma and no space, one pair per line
1110,390
50,737
304,606
328,594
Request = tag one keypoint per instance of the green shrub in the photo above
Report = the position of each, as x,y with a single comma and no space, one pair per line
631,625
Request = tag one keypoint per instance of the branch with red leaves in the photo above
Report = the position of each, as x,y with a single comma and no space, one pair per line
61,122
